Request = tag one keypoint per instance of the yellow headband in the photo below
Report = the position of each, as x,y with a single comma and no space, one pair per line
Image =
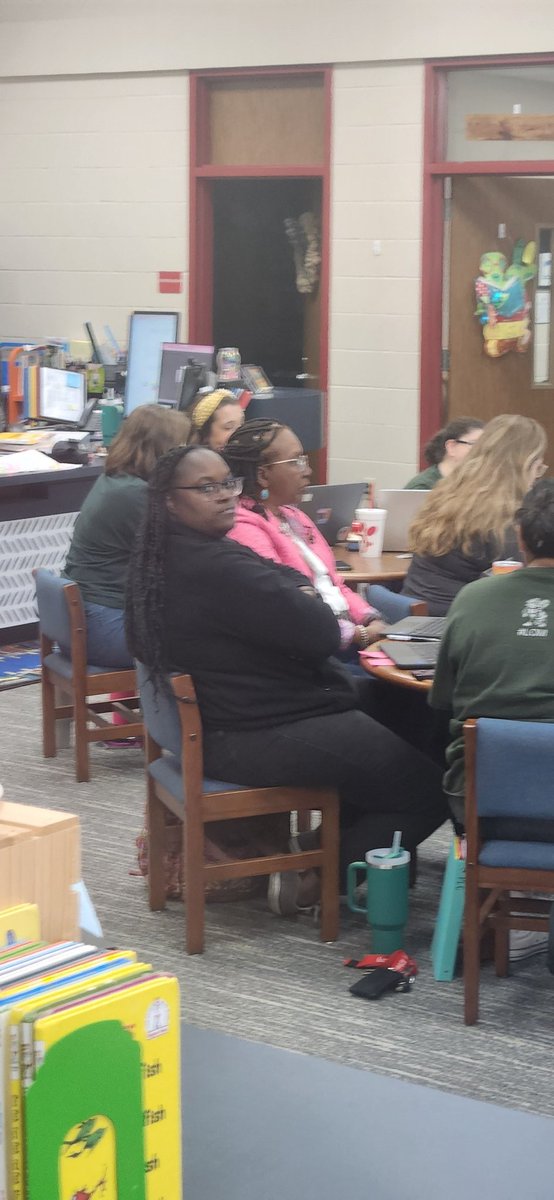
208,405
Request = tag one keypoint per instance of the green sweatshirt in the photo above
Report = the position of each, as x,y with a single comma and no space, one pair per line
103,538
425,481
496,657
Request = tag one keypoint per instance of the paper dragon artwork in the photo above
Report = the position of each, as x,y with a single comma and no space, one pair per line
503,304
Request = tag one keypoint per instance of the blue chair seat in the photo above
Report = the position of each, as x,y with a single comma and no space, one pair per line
63,666
532,856
167,772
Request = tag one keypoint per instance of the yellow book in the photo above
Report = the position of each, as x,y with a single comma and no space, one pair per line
19,924
15,1001
116,1131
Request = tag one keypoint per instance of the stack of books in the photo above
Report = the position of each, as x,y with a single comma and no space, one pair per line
89,1073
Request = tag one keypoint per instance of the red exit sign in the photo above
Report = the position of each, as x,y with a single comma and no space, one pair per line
170,281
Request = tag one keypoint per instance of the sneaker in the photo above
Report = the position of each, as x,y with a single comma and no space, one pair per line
524,943
309,839
290,892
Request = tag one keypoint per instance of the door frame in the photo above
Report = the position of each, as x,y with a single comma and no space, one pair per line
435,169
201,179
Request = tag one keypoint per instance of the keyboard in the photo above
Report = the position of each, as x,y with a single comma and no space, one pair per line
419,627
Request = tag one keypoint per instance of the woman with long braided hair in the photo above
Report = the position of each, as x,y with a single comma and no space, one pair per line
276,706
276,473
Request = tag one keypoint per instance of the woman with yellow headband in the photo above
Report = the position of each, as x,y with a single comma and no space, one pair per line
214,416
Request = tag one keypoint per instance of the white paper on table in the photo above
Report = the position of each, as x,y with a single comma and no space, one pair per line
25,461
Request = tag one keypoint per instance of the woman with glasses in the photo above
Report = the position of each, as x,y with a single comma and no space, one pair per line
445,451
468,520
276,707
276,473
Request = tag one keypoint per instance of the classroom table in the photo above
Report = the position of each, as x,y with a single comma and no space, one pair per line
393,674
384,569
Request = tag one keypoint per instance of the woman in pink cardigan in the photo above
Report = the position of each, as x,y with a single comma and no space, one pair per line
276,473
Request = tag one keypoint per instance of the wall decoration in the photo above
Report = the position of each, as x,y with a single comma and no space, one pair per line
503,305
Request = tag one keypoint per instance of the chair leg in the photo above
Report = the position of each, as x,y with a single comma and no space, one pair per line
502,937
193,853
155,824
330,872
81,741
472,965
48,716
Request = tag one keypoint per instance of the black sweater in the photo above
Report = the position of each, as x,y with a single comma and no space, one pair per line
258,648
437,580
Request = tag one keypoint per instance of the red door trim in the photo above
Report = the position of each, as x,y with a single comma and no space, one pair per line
201,176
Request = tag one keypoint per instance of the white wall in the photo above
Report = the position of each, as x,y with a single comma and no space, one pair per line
42,37
375,298
93,201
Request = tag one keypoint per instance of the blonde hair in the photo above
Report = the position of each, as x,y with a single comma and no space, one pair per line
479,499
146,434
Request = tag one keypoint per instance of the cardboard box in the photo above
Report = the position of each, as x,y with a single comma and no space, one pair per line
40,861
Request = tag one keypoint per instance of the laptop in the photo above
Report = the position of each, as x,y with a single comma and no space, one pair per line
411,656
331,507
402,507
417,629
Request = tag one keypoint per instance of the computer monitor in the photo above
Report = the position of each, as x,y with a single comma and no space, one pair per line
62,396
175,357
147,333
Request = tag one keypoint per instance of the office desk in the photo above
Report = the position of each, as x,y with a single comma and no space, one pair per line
385,569
37,515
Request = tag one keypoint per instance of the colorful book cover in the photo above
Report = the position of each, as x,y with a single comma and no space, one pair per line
148,1010
84,1124
19,924
448,925
105,969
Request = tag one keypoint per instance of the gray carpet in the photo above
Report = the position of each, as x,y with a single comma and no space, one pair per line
273,981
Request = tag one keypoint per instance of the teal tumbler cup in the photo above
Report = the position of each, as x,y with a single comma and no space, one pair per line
386,909
112,416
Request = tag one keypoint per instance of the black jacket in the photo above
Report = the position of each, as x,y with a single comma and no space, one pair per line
438,580
258,648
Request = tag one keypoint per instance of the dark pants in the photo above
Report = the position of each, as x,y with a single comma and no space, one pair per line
384,784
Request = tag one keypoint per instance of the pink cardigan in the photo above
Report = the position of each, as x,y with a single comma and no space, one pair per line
266,538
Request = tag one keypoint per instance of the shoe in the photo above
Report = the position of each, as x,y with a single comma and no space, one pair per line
130,743
290,892
309,839
524,943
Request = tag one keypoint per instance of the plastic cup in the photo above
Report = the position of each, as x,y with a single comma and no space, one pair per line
504,566
373,530
386,907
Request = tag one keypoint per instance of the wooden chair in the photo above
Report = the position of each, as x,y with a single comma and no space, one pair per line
176,783
509,773
392,605
63,654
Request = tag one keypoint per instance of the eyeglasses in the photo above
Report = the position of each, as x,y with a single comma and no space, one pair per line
227,487
464,442
301,461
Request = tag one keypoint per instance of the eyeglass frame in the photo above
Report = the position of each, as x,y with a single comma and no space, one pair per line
300,461
464,442
225,485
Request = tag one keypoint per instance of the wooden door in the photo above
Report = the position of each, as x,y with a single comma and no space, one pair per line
478,385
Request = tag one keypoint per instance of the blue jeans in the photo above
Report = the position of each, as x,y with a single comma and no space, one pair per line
106,643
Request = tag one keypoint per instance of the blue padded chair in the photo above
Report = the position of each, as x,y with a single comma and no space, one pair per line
392,605
63,655
509,774
176,783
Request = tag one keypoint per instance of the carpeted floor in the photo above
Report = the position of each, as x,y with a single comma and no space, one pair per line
19,665
273,981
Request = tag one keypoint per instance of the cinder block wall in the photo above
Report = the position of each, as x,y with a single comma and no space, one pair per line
375,272
93,200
